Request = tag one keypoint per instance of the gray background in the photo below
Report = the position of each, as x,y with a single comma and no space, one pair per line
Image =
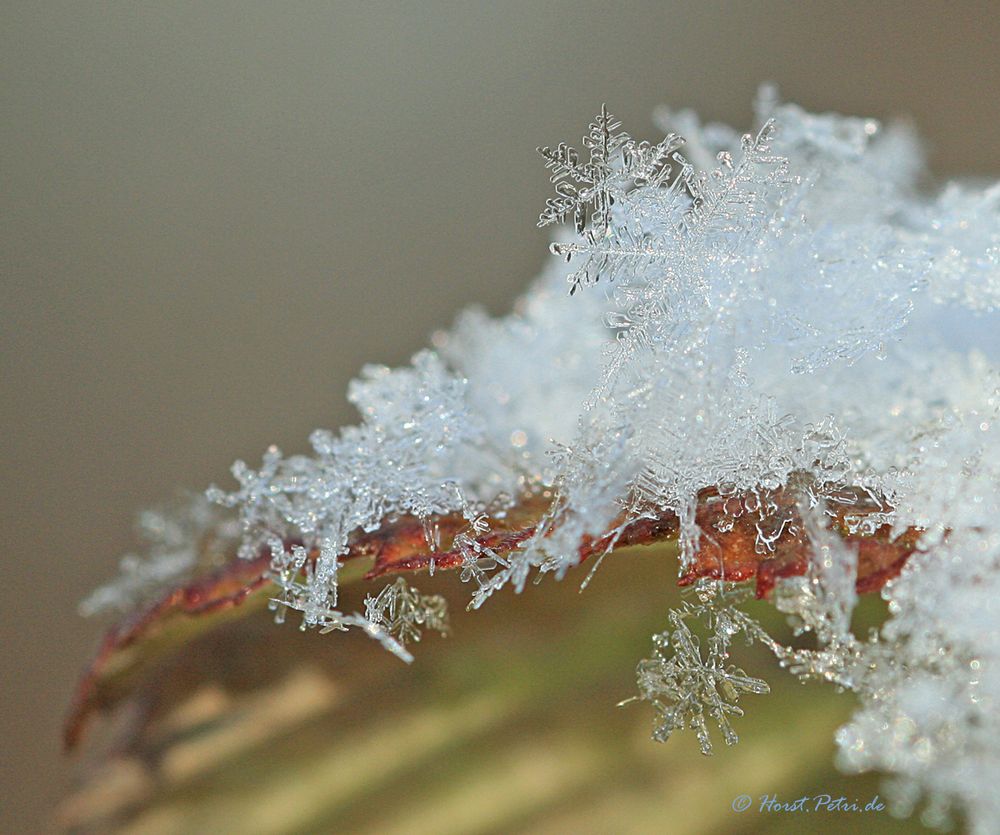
213,214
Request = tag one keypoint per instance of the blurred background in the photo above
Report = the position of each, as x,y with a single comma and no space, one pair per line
214,213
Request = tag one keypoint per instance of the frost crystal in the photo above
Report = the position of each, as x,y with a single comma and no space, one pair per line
687,686
784,320
404,612
397,615
590,191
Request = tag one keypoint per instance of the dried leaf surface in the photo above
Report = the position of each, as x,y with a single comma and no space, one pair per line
241,586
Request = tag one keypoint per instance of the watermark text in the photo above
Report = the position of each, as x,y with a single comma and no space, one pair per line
771,804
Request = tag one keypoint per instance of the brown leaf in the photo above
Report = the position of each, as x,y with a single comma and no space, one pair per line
111,672
732,554
401,545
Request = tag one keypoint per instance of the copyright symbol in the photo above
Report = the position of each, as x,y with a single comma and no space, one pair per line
742,802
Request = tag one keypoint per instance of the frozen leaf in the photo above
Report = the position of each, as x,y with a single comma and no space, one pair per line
178,615
785,359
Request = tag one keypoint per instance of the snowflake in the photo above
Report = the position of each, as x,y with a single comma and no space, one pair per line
686,686
590,191
404,612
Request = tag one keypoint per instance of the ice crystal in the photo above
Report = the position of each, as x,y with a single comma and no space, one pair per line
790,312
686,685
415,454
821,602
404,612
395,616
618,174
